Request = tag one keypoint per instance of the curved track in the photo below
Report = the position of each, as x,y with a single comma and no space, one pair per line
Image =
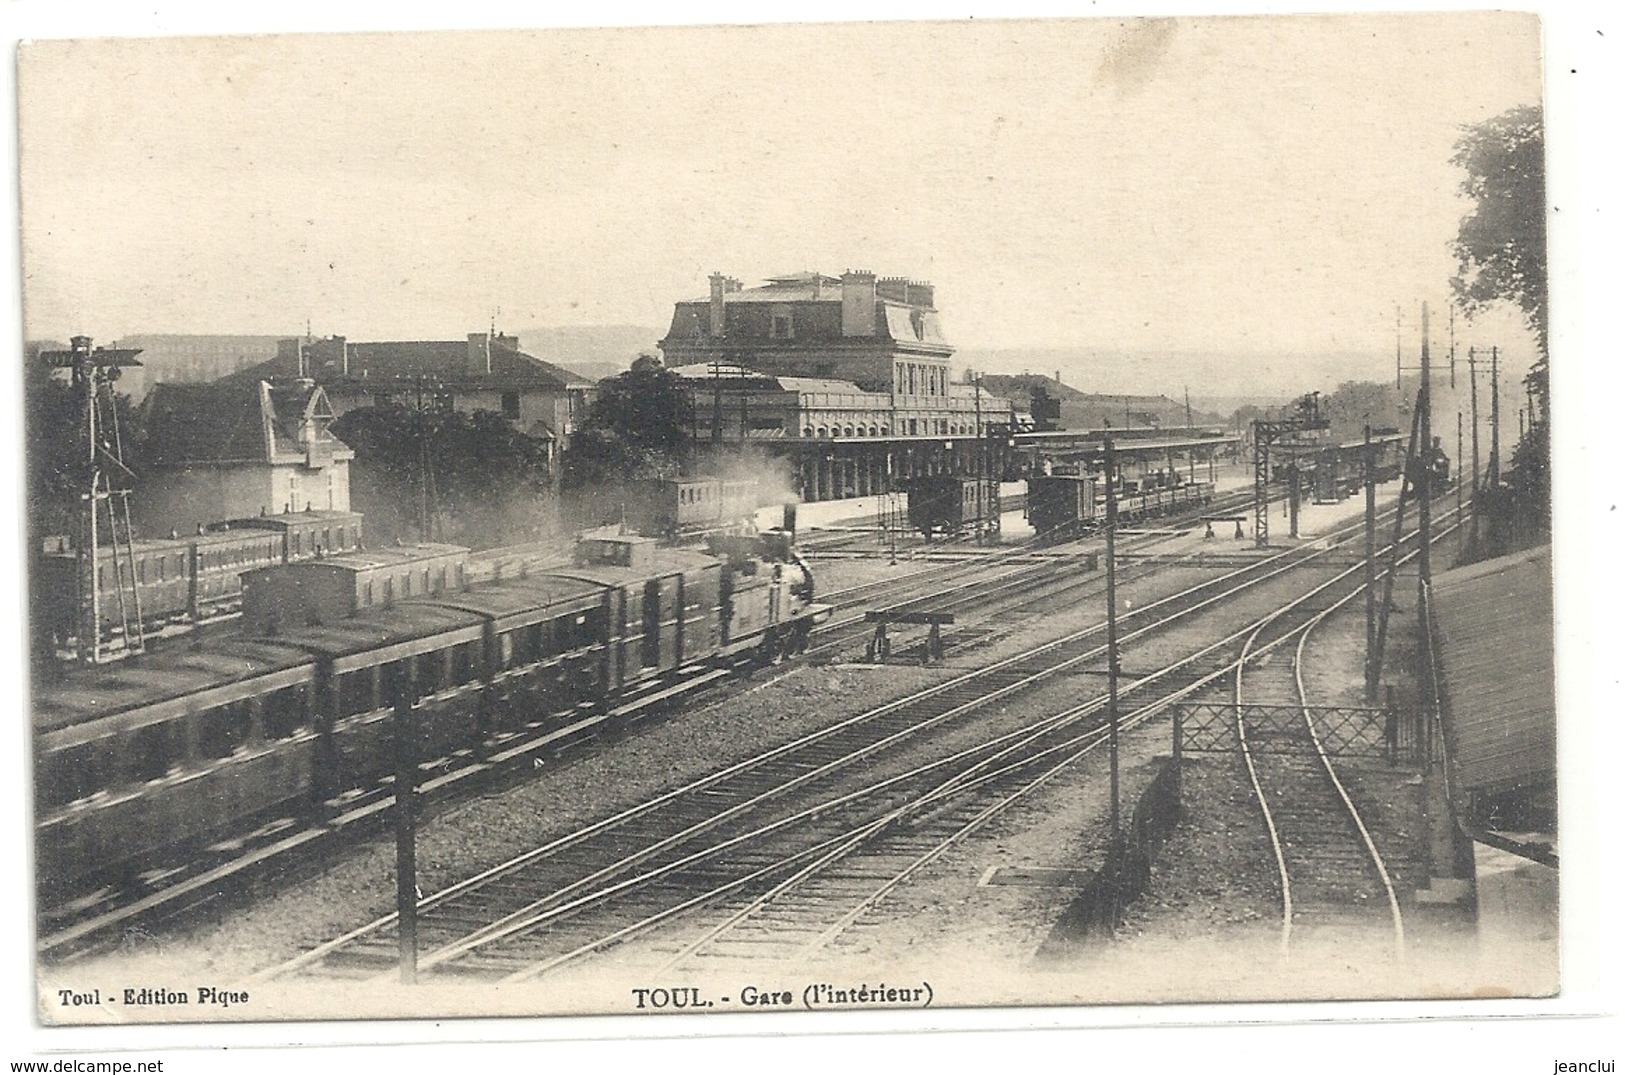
595,885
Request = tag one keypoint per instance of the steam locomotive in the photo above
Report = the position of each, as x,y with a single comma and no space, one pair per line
192,743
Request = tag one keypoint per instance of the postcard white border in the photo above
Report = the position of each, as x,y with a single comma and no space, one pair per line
1583,60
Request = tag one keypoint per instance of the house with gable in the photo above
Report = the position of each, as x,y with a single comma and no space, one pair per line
236,449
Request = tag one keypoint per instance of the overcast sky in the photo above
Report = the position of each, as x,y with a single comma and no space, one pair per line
1272,184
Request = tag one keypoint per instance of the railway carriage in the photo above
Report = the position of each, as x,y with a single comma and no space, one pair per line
544,641
187,578
1063,503
169,750
698,505
947,505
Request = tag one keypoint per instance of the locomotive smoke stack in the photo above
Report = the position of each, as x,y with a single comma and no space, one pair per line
790,517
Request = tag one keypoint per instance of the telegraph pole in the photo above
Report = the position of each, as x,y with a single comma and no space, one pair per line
1494,476
1190,433
1472,380
1424,500
1370,569
1460,530
406,771
1111,634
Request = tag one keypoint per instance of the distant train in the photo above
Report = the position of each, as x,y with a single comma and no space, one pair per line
950,505
188,744
185,578
1076,503
687,506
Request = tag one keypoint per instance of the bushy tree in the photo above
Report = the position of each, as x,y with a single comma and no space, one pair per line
1356,404
485,483
1501,256
1501,245
640,426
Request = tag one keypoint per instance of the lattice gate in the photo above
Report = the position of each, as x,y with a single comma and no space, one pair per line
1344,731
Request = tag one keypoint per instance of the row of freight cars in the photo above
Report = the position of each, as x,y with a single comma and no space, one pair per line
191,579
949,505
1062,504
186,744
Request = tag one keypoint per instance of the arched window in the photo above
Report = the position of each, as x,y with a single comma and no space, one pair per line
822,432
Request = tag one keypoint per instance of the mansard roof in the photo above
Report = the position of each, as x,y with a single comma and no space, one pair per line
234,421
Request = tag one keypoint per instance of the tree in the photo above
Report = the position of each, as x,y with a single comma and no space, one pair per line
640,426
1501,256
480,481
1501,245
1356,404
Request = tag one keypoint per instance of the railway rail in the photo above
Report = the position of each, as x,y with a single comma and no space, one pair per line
1335,884
826,890
538,897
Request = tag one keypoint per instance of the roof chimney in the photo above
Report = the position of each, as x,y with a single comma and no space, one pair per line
719,288
479,352
857,303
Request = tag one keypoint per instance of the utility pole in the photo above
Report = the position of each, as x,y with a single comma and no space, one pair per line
101,460
1370,568
1264,434
1453,362
1111,634
1424,500
1494,476
1190,434
406,771
1460,530
1399,374
1472,380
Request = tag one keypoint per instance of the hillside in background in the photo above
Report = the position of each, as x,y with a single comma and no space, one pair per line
1219,376
593,351
1085,410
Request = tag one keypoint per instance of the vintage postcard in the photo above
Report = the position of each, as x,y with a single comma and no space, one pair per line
860,517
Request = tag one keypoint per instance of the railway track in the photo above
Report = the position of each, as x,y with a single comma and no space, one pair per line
706,825
1335,886
817,903
1041,568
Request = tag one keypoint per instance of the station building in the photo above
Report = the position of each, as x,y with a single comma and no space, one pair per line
846,378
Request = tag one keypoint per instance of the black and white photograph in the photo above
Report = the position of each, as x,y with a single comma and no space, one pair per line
793,519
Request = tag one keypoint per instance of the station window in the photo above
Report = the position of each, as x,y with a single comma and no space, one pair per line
510,406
